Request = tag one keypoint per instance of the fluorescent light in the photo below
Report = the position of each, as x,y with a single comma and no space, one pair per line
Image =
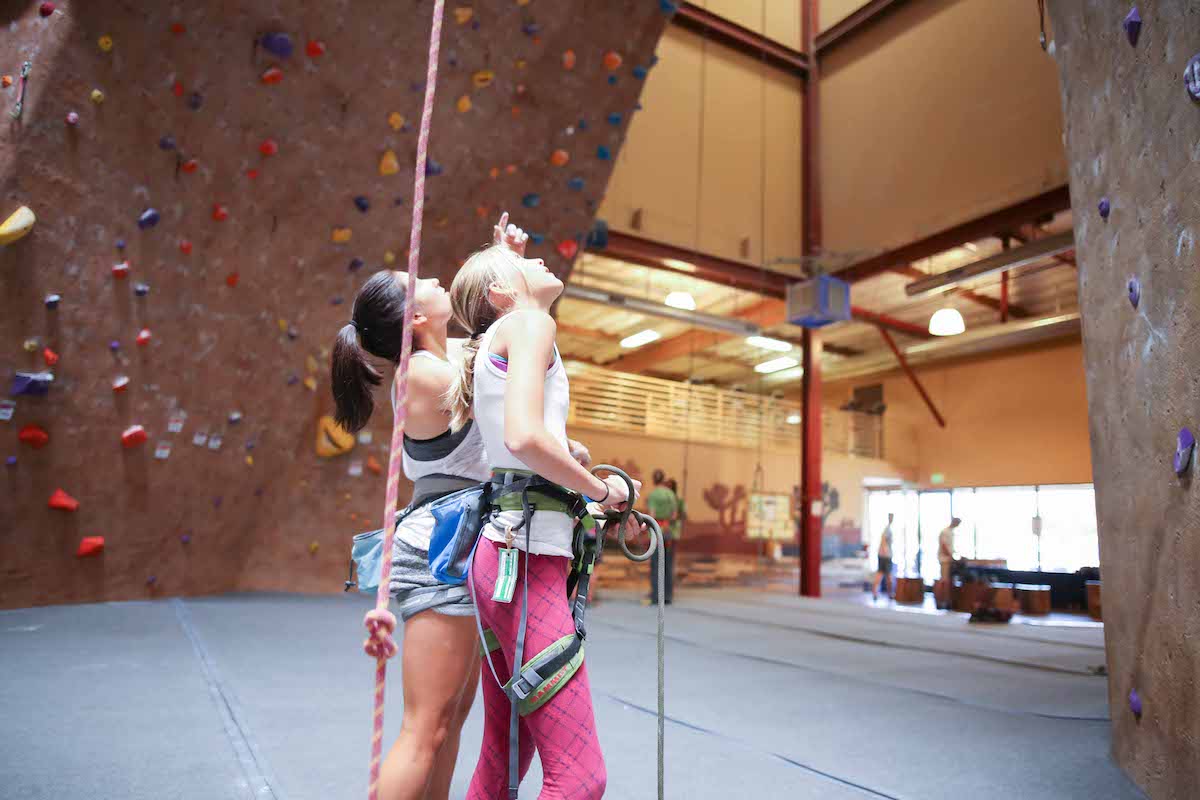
638,339
776,364
681,300
767,343
793,419
946,322
675,263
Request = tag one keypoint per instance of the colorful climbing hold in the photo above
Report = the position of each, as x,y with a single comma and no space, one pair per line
1104,207
133,436
46,9
32,384
120,383
531,200
178,28
114,346
195,101
374,465
463,14
1191,76
11,461
612,80
432,168
61,501
148,219
49,356
614,118
362,204
341,235
483,78
189,166
90,546
332,439
1135,292
121,270
667,6
268,147
177,89
272,76
18,225
251,173
185,247
355,265
640,73
144,336
219,212
315,48
31,344
234,417
277,44
72,118
389,164
310,383
603,153
105,43
560,157
1132,25
612,60
35,437
396,120
185,538
1184,445
167,142
464,104
389,257
151,580
313,547
6,81
52,301
231,280
1135,703
568,248
575,184
568,59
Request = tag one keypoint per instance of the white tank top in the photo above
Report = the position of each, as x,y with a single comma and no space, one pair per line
551,531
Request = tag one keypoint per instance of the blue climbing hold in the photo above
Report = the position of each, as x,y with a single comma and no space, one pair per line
362,203
575,184
1135,703
167,142
433,169
148,219
583,124
537,238
195,100
277,44
1184,445
120,244
1104,207
356,264
614,118
52,301
1135,292
667,6
639,73
31,383
531,200
11,461
337,301
597,237
141,289
612,80
114,345
530,29
603,153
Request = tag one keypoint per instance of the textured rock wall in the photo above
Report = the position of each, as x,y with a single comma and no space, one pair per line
264,172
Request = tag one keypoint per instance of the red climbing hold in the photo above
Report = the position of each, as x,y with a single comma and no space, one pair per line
220,212
133,436
269,147
273,75
50,356
34,436
46,9
252,173
63,501
120,383
568,248
315,48
177,28
185,247
231,280
121,270
90,546
143,338
177,89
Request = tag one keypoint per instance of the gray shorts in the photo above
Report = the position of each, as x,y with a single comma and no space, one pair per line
415,589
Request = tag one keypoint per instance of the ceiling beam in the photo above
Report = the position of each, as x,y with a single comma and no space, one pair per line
698,20
967,294
657,255
983,227
1026,254
586,333
856,22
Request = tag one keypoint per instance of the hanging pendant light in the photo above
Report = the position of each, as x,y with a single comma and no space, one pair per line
946,322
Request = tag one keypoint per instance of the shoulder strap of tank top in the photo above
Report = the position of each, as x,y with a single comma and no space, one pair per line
485,344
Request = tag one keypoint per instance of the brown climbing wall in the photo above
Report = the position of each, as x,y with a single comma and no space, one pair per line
1132,133
242,315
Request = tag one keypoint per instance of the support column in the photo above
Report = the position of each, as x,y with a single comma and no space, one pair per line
810,469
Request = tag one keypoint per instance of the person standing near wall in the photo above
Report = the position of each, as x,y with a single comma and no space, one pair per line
883,576
675,535
946,559
663,506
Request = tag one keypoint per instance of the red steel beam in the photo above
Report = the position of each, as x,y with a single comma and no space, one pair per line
811,513
1004,307
693,18
884,322
714,269
857,21
912,376
1007,218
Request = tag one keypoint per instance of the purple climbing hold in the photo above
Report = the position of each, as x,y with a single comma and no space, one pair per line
31,383
250,444
531,200
614,118
356,264
148,219
1132,25
195,100
362,204
575,184
293,380
336,301
530,29
151,580
432,169
1135,702
11,461
114,345
1135,292
235,417
1104,207
292,333
120,244
474,24
603,153
399,201
217,501
1184,446
167,142
141,289
52,301
185,538
1191,76
452,58
277,44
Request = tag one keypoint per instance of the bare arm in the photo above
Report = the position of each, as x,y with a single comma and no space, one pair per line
427,383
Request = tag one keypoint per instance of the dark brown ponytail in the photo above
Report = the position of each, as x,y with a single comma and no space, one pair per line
376,328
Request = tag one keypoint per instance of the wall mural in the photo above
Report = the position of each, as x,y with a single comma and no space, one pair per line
730,505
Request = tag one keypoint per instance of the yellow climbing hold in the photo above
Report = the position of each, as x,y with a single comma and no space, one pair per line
283,326
396,120
310,383
389,164
249,461
464,104
464,14
389,257
522,2
483,78
18,224
106,44
332,439
341,235
97,96
310,364
313,547
522,63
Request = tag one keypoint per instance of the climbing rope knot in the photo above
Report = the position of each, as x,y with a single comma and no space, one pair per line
380,623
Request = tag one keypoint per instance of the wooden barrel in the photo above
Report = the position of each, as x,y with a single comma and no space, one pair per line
1093,599
910,590
1004,597
1035,598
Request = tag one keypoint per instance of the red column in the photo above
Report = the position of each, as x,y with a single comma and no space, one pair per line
810,469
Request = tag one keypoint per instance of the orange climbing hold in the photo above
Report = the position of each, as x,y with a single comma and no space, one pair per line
559,158
612,61
568,59
190,166
374,465
50,356
63,501
133,436
34,436
272,76
90,546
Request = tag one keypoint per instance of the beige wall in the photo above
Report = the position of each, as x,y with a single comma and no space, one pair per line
831,12
775,19
1014,418
942,111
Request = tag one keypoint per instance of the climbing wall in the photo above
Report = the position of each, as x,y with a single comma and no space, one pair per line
1133,129
212,181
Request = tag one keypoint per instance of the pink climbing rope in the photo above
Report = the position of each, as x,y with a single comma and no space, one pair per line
380,621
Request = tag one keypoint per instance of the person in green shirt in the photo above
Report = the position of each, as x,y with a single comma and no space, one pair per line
680,514
663,505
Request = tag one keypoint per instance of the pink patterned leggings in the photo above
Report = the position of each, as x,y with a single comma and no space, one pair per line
564,730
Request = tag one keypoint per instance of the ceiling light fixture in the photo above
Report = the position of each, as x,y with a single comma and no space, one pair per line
793,419
946,322
775,365
676,264
681,300
767,343
638,339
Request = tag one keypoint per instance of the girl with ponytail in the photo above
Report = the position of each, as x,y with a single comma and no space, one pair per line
440,665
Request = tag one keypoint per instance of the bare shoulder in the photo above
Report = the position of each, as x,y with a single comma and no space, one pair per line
430,375
527,325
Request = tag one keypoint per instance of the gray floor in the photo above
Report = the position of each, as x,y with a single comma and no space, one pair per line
268,696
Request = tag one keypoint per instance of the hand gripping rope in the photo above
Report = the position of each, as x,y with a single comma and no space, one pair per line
379,621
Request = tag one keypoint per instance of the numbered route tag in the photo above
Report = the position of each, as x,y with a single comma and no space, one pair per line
506,577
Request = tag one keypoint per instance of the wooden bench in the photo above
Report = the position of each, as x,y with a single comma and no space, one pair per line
1035,598
1093,599
910,590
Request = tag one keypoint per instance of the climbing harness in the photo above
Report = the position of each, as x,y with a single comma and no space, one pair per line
537,680
380,621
